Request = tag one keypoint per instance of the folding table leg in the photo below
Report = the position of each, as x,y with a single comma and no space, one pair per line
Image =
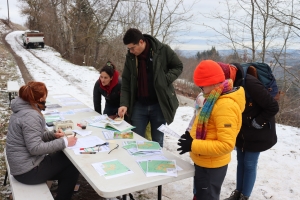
159,192
124,197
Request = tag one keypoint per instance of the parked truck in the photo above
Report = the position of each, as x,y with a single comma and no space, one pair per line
33,39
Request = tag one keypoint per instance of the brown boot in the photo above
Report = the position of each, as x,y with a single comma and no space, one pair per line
235,195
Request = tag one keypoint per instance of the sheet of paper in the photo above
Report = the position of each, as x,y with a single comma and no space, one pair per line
111,169
67,99
50,112
148,146
109,135
61,96
162,167
82,132
95,119
71,103
89,141
166,130
68,112
79,110
98,124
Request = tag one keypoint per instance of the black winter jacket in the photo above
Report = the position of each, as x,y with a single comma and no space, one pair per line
262,107
113,99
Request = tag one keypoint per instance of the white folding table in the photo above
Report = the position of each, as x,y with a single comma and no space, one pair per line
122,185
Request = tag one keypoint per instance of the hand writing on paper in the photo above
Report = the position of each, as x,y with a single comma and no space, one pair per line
71,141
59,133
121,111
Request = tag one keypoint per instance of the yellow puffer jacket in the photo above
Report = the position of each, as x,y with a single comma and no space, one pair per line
223,127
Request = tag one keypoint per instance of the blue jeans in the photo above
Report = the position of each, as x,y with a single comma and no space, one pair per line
142,115
246,171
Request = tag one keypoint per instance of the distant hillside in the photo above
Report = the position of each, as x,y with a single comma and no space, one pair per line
293,55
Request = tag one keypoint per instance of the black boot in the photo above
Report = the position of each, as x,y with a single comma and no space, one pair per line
235,195
242,197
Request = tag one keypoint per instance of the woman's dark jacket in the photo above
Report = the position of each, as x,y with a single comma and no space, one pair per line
113,99
262,107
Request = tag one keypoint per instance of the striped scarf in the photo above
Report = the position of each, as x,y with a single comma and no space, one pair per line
211,98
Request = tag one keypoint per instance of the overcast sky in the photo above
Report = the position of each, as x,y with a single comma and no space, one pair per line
197,38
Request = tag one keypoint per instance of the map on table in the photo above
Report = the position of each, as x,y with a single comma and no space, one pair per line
148,146
111,169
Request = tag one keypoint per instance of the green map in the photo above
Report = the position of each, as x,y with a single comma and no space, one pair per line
114,167
160,166
148,146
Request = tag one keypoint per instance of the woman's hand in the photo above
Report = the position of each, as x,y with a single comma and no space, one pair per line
71,141
59,133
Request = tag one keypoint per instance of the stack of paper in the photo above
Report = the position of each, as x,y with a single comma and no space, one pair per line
158,165
142,148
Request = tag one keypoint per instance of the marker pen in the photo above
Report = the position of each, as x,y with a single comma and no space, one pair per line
87,152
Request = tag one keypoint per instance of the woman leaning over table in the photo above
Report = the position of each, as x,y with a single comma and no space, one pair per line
33,153
109,86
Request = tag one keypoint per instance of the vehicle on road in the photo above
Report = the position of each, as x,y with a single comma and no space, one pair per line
32,38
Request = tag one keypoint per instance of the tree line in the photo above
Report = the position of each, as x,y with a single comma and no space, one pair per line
89,32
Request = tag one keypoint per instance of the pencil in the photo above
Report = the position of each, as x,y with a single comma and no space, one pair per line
75,134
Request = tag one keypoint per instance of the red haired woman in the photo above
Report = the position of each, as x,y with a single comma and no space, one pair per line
33,153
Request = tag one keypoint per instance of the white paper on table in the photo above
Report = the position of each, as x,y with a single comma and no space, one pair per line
78,110
82,132
95,119
61,96
109,135
98,124
166,130
50,112
99,168
68,112
89,141
71,103
103,148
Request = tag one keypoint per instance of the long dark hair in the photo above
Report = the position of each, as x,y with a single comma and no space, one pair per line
109,68
32,92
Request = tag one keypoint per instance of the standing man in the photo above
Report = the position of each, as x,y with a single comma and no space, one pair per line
147,93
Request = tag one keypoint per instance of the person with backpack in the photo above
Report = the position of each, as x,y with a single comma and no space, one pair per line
258,132
109,86
212,136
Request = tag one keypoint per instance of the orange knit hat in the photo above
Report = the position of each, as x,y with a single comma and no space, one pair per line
208,72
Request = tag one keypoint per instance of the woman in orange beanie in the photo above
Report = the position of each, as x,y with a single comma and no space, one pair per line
214,131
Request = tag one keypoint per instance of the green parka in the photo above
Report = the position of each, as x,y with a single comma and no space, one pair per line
166,68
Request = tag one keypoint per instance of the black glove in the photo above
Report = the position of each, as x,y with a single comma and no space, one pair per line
185,143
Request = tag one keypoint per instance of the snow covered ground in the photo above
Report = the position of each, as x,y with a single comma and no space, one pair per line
278,169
